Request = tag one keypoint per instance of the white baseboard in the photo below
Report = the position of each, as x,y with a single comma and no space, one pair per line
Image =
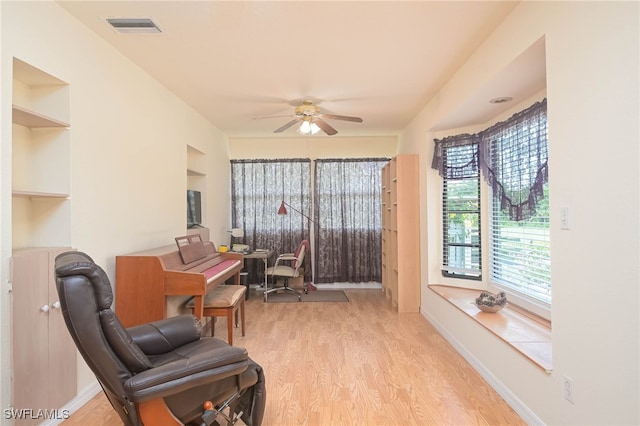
511,399
333,286
341,286
76,403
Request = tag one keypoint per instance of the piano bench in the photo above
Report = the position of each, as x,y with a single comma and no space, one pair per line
224,301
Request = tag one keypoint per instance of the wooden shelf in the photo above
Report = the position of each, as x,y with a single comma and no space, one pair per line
27,118
37,194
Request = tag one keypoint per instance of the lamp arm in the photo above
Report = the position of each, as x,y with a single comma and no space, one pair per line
298,211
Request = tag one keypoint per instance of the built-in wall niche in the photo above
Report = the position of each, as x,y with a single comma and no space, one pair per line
197,177
196,162
41,153
40,222
40,162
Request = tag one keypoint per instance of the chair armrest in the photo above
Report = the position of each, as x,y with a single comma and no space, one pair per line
284,256
201,364
165,335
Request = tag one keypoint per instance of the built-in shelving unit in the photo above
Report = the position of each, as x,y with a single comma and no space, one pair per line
44,357
401,233
41,155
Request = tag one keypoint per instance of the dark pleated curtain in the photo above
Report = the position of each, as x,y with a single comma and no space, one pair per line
348,243
257,189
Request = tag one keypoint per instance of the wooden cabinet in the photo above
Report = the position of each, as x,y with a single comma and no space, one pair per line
401,232
44,355
40,170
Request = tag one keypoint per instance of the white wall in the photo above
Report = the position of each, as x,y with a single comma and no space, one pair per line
593,106
313,147
129,138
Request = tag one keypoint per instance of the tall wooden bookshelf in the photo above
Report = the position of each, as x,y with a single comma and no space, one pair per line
401,233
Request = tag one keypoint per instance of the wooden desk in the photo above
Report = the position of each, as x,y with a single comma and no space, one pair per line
264,255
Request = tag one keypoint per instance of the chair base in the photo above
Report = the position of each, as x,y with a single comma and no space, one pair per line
284,287
273,290
155,412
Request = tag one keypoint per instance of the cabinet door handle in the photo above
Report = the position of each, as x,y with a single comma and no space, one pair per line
56,304
45,308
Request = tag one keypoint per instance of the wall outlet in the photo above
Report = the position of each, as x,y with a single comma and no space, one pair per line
568,389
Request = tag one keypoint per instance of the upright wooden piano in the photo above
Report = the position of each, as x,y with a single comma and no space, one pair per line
145,280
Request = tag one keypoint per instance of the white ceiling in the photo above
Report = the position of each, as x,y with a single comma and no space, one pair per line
379,60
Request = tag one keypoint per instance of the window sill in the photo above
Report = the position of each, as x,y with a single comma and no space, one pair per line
522,330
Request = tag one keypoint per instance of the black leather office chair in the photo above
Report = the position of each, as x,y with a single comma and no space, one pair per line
159,373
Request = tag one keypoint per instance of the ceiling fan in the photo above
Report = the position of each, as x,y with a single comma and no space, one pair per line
312,120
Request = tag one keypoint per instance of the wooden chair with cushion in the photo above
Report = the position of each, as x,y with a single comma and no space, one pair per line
224,301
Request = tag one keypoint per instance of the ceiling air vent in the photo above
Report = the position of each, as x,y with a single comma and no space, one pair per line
133,25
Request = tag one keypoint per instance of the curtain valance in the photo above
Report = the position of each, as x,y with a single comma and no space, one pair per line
512,155
465,163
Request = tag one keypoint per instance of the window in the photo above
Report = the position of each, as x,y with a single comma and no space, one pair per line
461,244
520,239
512,157
347,207
257,189
346,221
520,252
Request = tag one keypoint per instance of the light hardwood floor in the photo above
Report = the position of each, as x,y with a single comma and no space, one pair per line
354,363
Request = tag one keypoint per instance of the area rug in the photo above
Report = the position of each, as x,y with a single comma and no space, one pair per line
312,296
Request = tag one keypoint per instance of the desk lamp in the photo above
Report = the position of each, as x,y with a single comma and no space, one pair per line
235,233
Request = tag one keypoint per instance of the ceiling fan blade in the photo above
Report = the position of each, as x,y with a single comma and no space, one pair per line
325,126
341,117
286,126
273,116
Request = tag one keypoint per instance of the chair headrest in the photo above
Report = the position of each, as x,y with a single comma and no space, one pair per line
78,263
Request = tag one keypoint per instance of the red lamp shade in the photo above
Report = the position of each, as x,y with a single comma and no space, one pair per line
282,210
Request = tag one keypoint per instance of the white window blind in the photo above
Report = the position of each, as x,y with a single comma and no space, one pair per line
520,249
461,255
520,252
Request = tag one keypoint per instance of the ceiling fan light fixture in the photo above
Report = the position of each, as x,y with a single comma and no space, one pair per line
308,127
305,128
312,121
